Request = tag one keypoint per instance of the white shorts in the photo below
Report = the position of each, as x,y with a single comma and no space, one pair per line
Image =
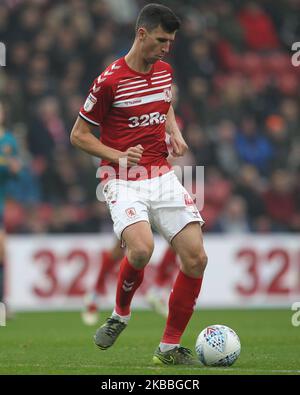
161,201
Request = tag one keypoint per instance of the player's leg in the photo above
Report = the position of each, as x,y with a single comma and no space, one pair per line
110,258
139,242
188,244
178,221
140,245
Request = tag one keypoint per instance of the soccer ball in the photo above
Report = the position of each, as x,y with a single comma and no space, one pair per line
218,345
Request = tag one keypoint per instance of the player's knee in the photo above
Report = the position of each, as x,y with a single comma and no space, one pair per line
197,264
203,262
140,254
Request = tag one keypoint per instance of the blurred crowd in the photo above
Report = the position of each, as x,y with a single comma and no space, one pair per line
238,107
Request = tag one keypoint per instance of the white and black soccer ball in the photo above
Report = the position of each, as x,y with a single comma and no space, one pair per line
218,345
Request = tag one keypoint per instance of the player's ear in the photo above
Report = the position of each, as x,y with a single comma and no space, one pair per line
141,34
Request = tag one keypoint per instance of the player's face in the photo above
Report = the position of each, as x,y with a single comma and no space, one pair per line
155,44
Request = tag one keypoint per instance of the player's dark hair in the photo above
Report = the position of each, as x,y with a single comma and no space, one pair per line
154,15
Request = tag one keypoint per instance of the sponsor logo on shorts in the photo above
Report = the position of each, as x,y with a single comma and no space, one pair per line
196,214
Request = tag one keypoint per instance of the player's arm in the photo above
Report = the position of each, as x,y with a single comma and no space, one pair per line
177,141
83,138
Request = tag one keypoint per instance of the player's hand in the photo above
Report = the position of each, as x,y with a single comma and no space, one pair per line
133,156
178,144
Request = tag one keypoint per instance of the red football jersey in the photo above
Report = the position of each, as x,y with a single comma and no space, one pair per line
131,108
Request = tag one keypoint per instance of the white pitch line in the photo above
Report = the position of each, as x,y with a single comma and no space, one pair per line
199,369
206,369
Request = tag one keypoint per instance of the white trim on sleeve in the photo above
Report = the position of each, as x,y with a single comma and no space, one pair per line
87,119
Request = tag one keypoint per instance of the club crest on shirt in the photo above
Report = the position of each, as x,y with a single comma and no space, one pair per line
90,102
167,95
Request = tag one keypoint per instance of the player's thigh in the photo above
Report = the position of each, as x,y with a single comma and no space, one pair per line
170,221
189,240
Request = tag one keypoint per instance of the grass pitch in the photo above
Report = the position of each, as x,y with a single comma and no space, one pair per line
58,343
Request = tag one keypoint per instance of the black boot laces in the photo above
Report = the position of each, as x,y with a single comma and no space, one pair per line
114,327
185,351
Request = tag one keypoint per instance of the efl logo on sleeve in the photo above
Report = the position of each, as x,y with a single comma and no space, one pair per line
89,103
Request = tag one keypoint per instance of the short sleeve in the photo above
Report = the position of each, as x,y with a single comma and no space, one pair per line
98,102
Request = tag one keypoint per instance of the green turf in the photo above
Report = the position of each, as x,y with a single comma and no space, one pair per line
58,343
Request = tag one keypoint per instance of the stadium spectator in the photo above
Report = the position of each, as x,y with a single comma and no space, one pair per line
234,218
250,188
253,147
224,142
280,200
259,29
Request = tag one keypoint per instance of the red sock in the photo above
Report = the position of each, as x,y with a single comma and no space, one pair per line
107,265
181,306
128,282
165,267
